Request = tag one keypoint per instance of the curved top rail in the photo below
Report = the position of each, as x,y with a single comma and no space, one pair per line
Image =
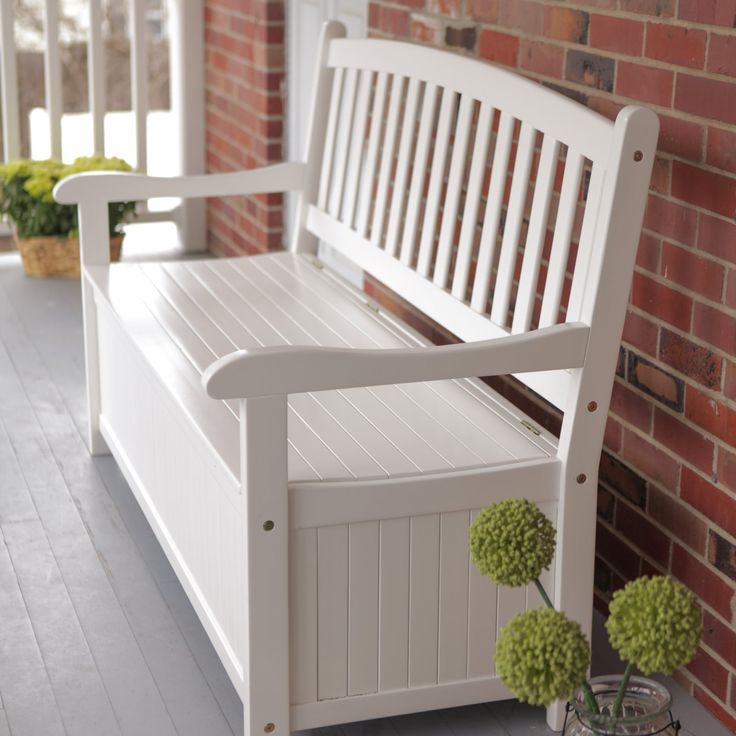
546,110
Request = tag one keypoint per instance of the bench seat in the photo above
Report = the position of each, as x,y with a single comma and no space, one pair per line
185,315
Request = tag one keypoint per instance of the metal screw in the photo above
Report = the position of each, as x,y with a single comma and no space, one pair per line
592,406
269,728
638,155
267,526
581,478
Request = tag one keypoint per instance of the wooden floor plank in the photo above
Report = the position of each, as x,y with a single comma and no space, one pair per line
28,699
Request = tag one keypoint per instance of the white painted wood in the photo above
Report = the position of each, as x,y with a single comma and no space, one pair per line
387,159
139,80
52,74
363,601
9,82
96,76
492,217
345,427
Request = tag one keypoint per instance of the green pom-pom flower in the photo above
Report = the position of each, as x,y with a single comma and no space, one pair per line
655,623
512,542
542,656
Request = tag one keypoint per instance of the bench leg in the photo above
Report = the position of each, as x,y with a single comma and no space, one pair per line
95,441
265,499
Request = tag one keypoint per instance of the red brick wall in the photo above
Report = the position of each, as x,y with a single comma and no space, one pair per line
245,120
667,500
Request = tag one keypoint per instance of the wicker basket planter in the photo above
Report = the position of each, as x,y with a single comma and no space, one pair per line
50,256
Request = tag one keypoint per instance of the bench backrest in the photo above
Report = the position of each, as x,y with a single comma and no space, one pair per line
484,199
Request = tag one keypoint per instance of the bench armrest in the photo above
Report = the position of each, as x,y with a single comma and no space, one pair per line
294,369
103,186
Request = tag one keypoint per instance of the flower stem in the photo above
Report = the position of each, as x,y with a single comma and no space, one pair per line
543,593
622,690
590,700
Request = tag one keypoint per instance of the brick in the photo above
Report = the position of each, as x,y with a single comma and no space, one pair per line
623,479
720,13
691,271
645,83
392,21
726,473
722,554
721,148
612,435
710,414
660,8
640,530
647,254
573,94
710,672
675,221
729,387
564,24
702,495
521,16
686,442
606,504
715,708
640,333
602,576
661,175
708,586
681,137
499,47
722,54
676,45
486,10
708,98
590,69
719,637
655,382
661,301
542,58
717,237
448,8
426,30
463,38
677,518
617,553
730,298
622,35
715,327
707,189
650,460
631,407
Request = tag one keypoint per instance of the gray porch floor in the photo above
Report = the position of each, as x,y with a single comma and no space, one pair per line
96,635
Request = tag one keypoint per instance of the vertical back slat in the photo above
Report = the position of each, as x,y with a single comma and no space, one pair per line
492,216
424,591
482,604
512,228
393,653
344,126
453,626
139,80
329,149
535,235
371,159
357,143
363,609
454,187
387,159
564,223
52,74
9,81
419,171
332,611
303,615
96,76
436,180
472,201
585,247
402,166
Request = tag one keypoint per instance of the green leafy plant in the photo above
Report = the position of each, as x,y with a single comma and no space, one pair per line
655,623
26,196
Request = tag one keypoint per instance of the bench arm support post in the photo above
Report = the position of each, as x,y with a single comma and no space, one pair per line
296,369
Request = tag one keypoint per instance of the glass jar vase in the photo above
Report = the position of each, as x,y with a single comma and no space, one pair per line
645,710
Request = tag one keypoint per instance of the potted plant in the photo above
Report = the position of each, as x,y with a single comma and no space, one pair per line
47,232
655,624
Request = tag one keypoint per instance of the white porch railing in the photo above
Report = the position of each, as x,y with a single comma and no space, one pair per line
186,61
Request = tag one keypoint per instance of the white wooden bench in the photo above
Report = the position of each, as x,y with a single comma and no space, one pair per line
309,463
